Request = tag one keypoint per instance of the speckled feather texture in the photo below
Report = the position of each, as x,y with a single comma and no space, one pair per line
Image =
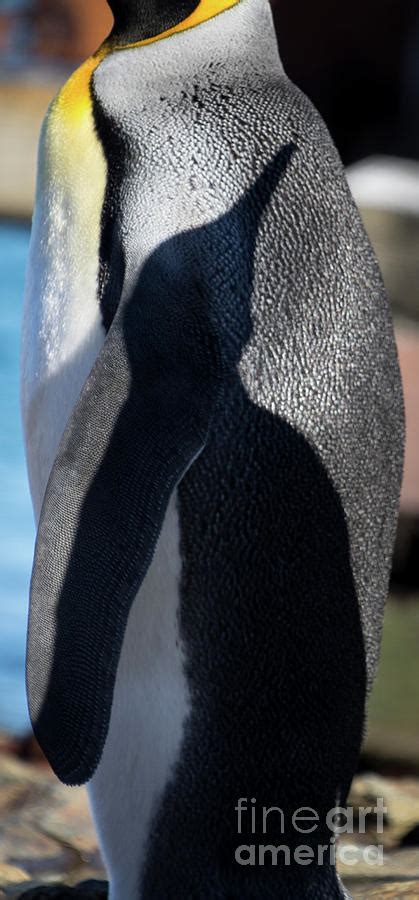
250,363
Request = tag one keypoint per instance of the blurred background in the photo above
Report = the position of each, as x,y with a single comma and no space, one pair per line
359,63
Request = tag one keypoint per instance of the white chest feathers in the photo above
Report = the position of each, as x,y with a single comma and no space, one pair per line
62,331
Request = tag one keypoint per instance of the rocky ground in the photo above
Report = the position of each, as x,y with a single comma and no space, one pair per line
46,835
47,838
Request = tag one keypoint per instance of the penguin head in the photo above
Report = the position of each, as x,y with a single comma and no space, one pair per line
138,20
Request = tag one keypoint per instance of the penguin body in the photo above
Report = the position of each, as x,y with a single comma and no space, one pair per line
215,541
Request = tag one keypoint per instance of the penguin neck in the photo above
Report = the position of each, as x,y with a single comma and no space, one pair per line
248,37
140,20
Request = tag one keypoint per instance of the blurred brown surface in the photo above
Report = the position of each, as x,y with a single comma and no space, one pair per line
6,23
408,345
394,890
69,29
22,108
395,236
46,833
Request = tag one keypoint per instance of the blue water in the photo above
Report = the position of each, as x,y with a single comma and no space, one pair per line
16,522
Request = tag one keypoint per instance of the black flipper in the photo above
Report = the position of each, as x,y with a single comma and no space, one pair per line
142,418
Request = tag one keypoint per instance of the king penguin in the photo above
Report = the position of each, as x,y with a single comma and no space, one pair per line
214,429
